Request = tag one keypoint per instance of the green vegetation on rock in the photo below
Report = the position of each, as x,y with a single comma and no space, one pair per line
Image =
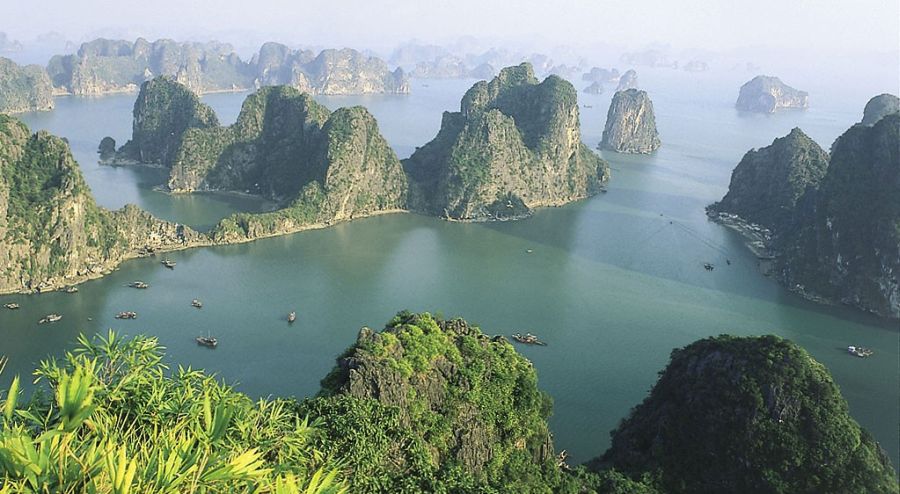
754,414
513,139
880,106
630,124
163,112
24,88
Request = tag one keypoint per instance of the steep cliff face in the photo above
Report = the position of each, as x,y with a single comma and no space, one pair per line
108,66
514,145
471,399
880,106
768,182
24,88
51,231
754,414
630,124
766,94
163,112
845,243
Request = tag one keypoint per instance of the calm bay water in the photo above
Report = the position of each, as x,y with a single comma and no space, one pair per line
614,283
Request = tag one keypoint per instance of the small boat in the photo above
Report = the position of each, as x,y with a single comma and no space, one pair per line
529,251
139,284
708,266
168,263
50,318
859,351
528,339
71,289
126,315
11,306
196,303
292,317
588,106
207,341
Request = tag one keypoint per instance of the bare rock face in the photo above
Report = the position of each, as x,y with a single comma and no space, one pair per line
630,124
766,94
24,88
879,107
514,145
628,80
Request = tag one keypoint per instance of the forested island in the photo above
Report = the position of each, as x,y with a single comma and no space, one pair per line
432,405
832,220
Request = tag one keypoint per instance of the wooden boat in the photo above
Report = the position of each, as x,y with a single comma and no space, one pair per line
168,263
207,341
11,306
859,351
50,318
196,303
139,284
708,266
528,339
292,317
126,315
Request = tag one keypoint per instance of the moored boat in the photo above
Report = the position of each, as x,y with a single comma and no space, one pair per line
50,318
168,263
71,289
528,339
859,351
126,315
292,317
207,341
11,306
139,284
196,303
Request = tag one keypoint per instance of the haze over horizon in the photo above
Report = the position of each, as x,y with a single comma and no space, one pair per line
821,29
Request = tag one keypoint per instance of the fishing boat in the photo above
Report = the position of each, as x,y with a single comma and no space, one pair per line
528,339
168,263
139,284
71,289
11,306
292,317
196,303
50,318
126,315
859,351
207,341
708,266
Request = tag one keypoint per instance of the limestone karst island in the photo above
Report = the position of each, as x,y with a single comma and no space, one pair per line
572,247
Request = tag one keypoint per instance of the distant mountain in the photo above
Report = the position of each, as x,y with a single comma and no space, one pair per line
766,94
107,66
514,145
24,88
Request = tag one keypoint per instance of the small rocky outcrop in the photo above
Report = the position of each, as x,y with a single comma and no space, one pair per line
696,66
444,378
24,88
594,88
768,182
627,81
165,109
766,94
601,75
879,107
514,145
754,414
630,124
107,149
52,233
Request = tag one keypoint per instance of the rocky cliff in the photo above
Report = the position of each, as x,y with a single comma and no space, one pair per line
766,94
163,112
594,88
880,106
51,231
24,88
844,245
630,124
470,402
755,414
331,72
768,182
107,66
514,145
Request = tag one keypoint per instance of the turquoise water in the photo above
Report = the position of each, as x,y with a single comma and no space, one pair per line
610,283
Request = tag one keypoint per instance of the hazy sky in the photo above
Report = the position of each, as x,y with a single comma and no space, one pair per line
846,26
